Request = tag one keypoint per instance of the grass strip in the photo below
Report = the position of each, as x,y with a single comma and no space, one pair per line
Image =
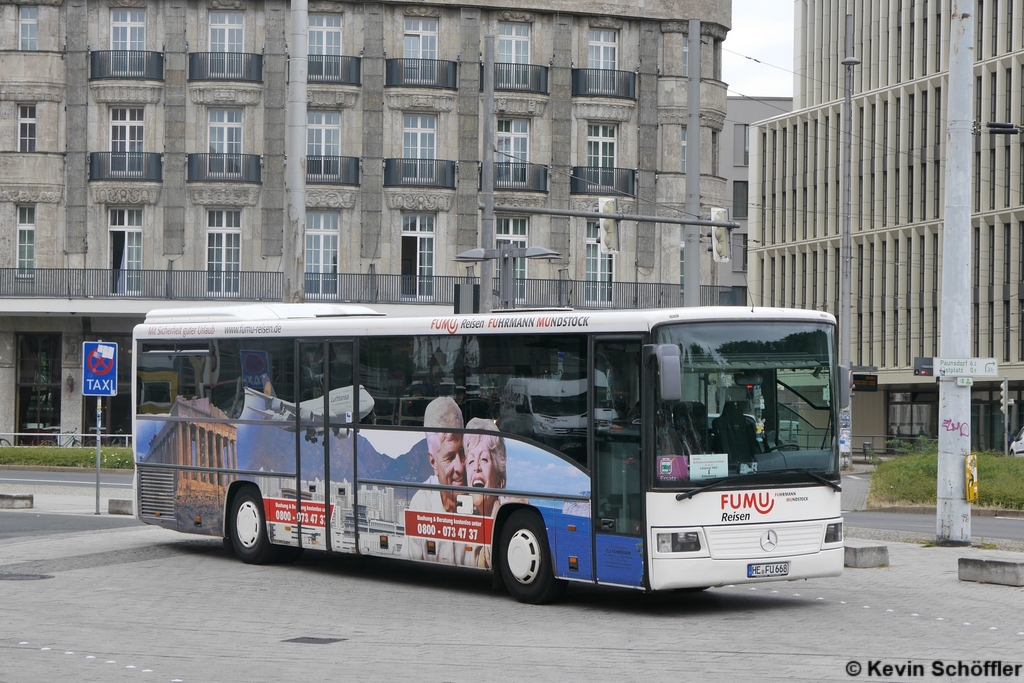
51,456
911,479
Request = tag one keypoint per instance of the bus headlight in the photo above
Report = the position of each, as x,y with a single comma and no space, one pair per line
544,428
834,533
686,542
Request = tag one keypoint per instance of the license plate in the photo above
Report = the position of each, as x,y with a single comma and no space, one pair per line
764,571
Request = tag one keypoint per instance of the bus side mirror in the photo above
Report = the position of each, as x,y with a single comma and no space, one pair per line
845,386
670,383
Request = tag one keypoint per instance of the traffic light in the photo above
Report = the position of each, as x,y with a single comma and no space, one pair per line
609,226
721,236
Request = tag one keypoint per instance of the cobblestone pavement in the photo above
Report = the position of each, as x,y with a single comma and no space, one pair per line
148,603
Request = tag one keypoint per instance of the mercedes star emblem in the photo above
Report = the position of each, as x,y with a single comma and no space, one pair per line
769,540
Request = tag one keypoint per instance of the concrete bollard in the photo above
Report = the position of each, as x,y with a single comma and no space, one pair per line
16,502
864,555
119,506
1003,572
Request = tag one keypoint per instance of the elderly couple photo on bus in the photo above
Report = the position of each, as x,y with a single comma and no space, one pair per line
458,459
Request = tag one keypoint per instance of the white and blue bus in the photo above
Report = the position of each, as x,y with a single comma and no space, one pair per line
668,449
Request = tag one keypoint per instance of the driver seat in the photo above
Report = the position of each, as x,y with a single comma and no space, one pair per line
736,434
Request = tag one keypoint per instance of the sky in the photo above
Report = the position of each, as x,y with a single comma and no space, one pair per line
763,30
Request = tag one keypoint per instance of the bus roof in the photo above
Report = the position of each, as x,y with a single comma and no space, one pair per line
288,320
252,312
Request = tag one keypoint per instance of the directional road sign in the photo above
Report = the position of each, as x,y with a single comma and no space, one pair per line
966,367
99,369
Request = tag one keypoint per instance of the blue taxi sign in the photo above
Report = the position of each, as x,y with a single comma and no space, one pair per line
99,369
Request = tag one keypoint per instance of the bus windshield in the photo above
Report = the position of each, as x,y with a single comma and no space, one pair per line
756,400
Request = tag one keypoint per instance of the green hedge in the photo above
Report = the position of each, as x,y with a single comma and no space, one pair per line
50,456
911,480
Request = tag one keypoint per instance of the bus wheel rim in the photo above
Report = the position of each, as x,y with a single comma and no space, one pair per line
523,556
247,524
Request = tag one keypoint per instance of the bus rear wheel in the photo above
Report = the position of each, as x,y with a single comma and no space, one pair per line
248,529
526,566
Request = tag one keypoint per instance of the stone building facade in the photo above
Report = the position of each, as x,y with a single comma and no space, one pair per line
143,161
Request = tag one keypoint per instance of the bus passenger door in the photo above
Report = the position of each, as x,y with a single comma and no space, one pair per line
324,429
616,465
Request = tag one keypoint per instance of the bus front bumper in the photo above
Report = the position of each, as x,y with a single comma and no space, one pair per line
702,572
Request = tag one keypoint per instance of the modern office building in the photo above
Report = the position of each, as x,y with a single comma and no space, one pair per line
898,164
741,113
143,162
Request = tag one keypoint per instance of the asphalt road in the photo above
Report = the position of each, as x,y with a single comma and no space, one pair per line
66,478
981,527
16,523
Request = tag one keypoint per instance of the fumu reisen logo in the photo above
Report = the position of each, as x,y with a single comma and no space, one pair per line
736,506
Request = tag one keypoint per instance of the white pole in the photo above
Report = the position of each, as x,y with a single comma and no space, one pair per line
953,513
847,246
846,415
295,154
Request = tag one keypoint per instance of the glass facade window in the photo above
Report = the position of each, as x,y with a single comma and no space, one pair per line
227,31
513,43
38,387
740,193
418,254
128,29
28,27
602,49
683,131
26,239
600,267
324,34
514,231
126,250
26,127
321,252
223,251
323,133
601,145
420,40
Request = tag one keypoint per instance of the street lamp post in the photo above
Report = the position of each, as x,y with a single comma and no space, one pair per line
846,416
506,256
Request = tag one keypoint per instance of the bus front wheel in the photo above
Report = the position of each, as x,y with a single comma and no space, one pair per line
248,528
526,566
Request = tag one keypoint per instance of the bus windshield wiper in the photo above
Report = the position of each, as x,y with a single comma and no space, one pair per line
813,475
714,484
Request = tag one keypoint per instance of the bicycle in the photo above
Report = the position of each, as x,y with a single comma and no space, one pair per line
71,442
4,443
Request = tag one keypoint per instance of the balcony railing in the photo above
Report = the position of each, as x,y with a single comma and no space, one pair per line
329,170
338,69
419,173
425,73
145,166
225,66
518,77
96,283
237,168
591,180
604,83
440,290
516,175
127,64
